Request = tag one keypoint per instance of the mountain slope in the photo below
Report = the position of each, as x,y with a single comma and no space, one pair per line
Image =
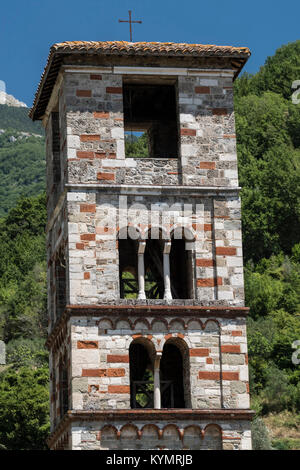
22,157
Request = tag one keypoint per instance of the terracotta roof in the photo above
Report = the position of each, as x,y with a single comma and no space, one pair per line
161,49
145,48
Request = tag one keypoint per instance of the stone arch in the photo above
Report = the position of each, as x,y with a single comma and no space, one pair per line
171,437
129,435
212,437
211,326
106,324
150,436
123,324
194,324
188,233
109,438
141,324
159,325
192,438
177,324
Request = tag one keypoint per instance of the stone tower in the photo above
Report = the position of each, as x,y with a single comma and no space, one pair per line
147,323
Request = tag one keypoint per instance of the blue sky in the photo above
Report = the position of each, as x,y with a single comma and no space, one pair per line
29,27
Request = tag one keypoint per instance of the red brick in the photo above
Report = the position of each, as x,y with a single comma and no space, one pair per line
219,111
209,375
87,276
209,282
229,136
100,155
83,154
237,333
209,360
118,389
89,137
105,176
199,352
101,115
202,89
84,93
230,376
79,246
188,132
207,227
103,372
87,207
88,237
95,76
231,348
114,89
225,250
204,263
118,358
87,344
207,165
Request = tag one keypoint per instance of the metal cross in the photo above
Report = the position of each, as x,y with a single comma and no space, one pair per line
130,23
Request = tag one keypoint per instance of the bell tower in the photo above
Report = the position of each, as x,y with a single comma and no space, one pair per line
147,323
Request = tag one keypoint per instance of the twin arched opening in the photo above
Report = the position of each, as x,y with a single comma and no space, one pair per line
159,381
157,268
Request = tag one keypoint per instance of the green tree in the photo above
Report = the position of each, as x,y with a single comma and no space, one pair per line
24,409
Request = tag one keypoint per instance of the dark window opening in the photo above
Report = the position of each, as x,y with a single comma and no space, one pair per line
181,270
150,109
154,271
141,377
56,152
171,378
61,284
63,387
129,288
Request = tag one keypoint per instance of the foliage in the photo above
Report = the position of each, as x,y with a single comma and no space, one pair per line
136,146
24,409
23,270
22,168
27,352
260,435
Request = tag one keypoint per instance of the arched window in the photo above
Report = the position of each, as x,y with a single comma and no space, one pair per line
182,265
174,375
141,360
154,270
128,250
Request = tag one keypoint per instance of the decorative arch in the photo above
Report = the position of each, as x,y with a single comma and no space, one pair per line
192,438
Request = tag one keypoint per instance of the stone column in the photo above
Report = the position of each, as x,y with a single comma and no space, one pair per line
141,270
157,394
167,281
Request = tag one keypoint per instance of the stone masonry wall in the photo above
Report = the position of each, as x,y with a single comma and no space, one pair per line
93,249
95,134
100,359
146,435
